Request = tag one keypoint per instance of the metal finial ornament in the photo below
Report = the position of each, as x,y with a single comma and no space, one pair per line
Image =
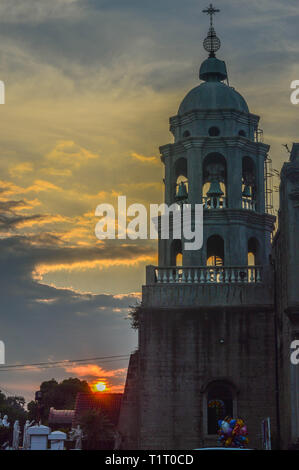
212,43
211,11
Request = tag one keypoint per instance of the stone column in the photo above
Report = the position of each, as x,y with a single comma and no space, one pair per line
234,178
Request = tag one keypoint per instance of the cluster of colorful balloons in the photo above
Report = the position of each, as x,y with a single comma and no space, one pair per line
232,432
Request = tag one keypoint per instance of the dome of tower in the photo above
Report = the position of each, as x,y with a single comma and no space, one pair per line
213,95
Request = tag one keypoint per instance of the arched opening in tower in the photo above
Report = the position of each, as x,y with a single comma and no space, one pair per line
252,252
248,184
214,181
215,251
181,180
176,253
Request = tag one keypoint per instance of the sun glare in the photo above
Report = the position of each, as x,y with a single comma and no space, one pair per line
100,387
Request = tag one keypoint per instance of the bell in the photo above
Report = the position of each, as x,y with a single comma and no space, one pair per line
247,191
182,192
215,190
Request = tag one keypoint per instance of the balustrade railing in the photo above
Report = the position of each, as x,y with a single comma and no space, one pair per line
213,202
248,204
208,275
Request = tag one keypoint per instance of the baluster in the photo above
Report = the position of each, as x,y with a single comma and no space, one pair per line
233,275
189,278
177,275
224,203
159,275
195,275
171,275
165,276
258,275
226,275
251,274
202,276
208,275
183,275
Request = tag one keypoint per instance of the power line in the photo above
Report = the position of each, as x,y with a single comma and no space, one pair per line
60,365
49,364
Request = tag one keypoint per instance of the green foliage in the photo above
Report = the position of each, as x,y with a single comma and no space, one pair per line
61,396
97,429
134,315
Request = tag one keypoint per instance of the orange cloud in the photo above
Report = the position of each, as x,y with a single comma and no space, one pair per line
114,379
41,185
144,159
83,265
67,154
19,170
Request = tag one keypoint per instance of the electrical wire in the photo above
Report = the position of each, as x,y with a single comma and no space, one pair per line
61,363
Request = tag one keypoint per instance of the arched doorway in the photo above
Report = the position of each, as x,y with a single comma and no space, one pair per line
220,402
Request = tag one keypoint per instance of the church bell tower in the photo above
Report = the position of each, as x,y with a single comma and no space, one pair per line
206,323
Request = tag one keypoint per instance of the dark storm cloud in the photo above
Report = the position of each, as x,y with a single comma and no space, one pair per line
159,43
10,219
38,321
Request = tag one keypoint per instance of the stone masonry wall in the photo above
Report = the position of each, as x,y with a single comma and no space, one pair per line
180,353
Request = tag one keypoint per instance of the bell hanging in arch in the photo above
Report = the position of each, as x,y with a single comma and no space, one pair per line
215,190
247,191
182,193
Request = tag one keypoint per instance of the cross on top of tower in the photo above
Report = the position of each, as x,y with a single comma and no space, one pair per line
211,11
212,42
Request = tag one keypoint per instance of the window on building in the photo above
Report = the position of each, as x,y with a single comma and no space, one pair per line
214,131
219,404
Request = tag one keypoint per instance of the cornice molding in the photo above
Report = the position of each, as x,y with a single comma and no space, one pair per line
207,114
214,144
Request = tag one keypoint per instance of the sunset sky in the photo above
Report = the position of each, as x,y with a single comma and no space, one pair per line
90,86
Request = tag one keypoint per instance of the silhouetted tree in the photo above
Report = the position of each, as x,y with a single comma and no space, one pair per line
61,396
